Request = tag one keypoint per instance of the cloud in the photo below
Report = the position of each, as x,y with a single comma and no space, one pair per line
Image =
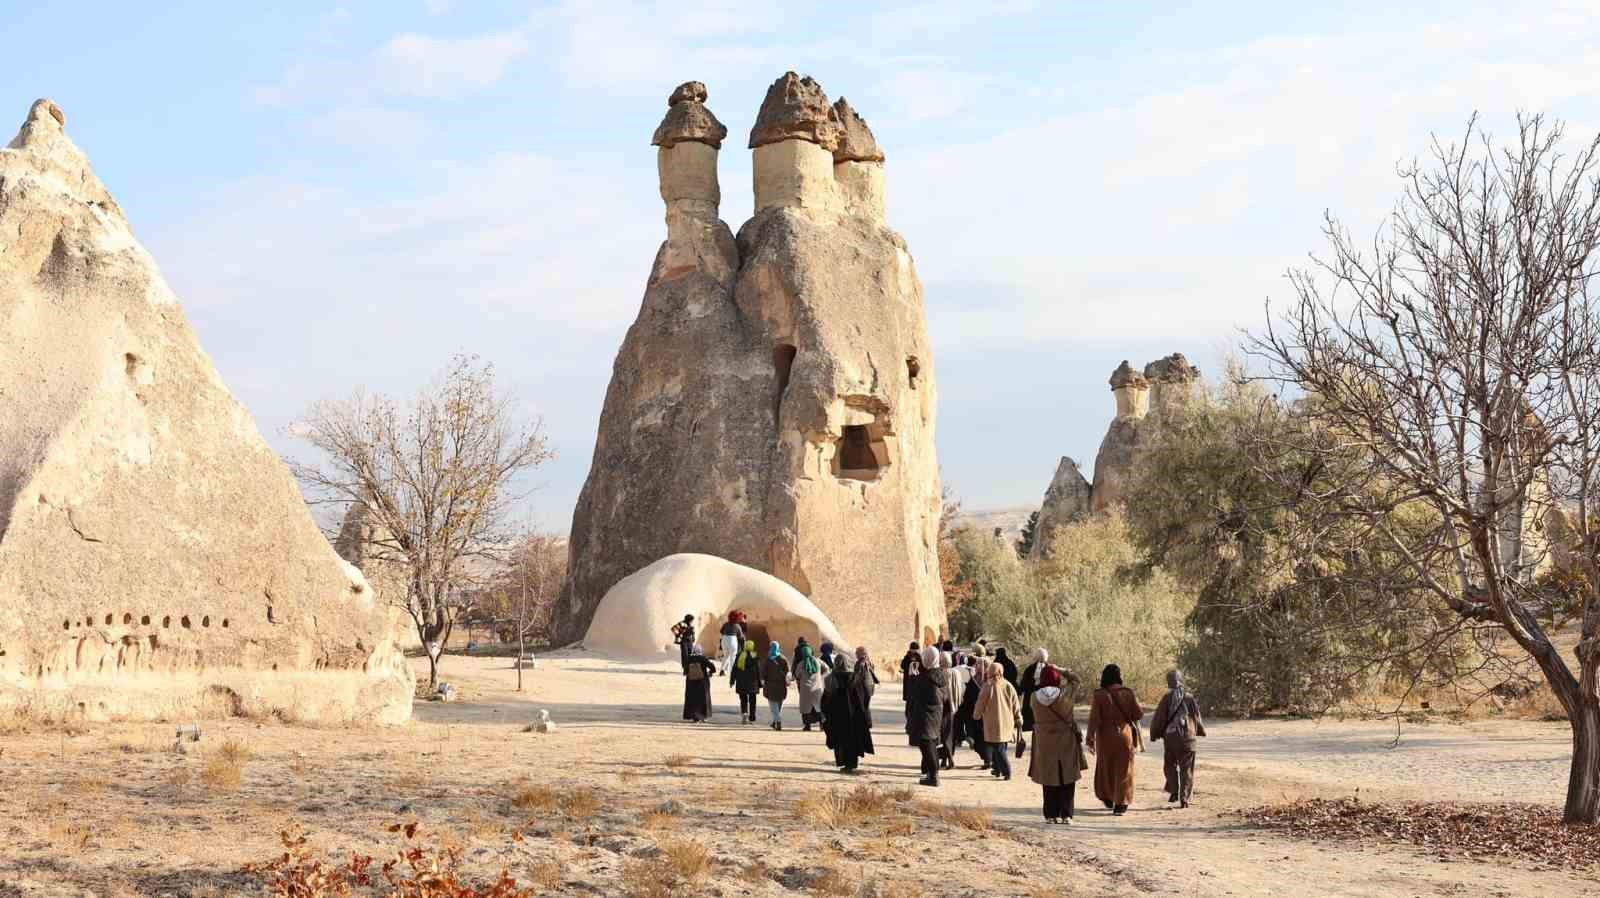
421,66
370,127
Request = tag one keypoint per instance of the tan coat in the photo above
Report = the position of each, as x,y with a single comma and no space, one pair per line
999,709
1057,743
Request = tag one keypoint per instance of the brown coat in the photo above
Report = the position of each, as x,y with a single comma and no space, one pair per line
1057,743
999,709
1114,733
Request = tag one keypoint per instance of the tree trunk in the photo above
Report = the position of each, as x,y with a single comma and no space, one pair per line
433,668
1583,784
519,656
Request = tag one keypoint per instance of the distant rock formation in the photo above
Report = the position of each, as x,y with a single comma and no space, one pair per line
773,404
1142,399
156,557
1065,501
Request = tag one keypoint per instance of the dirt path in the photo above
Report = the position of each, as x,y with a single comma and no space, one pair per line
112,811
1201,851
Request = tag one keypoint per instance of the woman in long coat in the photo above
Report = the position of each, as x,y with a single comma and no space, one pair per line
1114,736
954,684
775,682
966,726
1056,763
809,674
1030,682
697,673
1001,717
847,714
744,672
925,712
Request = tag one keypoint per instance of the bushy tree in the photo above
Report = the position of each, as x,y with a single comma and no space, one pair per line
1030,532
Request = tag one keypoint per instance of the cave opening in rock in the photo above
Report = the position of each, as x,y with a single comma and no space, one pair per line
782,364
913,368
861,454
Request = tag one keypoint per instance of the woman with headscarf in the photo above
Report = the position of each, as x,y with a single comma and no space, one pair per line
683,635
733,636
910,663
1057,761
1009,666
775,682
925,714
809,674
1001,717
966,726
745,675
697,673
1030,682
1114,737
1178,725
954,684
847,711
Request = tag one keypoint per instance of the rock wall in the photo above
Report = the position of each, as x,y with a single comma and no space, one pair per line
774,402
156,558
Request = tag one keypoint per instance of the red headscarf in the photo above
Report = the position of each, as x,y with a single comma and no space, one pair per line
1050,676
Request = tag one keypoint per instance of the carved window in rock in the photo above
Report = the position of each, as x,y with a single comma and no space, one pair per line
861,453
913,369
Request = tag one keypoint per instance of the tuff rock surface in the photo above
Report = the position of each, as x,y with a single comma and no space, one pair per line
156,558
1142,400
1066,500
773,404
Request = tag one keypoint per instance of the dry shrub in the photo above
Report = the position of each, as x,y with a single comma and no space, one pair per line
657,820
689,859
676,869
234,751
831,881
223,771
976,819
88,785
677,762
179,777
547,876
900,826
414,872
533,799
577,803
839,809
580,804
756,871
71,835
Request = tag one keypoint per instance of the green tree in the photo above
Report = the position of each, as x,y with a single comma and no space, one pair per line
1030,532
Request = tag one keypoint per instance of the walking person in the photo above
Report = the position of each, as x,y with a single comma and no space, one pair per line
775,682
1114,736
1177,723
683,635
1030,682
809,677
745,675
697,673
954,684
847,713
733,636
1009,666
968,726
925,712
910,662
1056,762
1001,715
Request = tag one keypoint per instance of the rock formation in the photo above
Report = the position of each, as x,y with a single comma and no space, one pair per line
635,618
1142,399
773,404
1066,500
156,558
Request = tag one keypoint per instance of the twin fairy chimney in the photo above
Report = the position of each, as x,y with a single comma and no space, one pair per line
156,557
773,404
1142,399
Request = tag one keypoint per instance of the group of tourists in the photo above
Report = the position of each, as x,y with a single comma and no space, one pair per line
954,697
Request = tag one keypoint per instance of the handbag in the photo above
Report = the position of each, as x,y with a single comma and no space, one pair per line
1022,745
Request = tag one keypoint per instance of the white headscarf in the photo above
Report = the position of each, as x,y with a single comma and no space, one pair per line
1041,655
930,658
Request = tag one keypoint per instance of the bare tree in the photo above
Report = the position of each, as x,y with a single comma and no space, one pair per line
526,589
1461,348
436,478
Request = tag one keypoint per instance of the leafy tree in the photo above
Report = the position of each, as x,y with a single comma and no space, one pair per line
1030,532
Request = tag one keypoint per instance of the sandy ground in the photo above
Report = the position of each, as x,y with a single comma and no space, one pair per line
112,810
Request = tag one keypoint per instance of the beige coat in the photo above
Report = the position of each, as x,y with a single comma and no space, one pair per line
999,709
1057,743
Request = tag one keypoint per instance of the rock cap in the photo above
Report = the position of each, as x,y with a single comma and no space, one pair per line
795,108
856,143
688,119
1172,368
46,106
1125,376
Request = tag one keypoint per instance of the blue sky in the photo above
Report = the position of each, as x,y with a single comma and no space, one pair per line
344,195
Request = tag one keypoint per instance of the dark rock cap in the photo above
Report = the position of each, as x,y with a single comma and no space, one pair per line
856,143
44,105
1125,376
1172,368
688,119
795,108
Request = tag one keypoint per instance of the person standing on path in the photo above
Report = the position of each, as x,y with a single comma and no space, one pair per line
1114,736
733,636
1009,667
953,687
1001,715
1030,682
745,675
809,675
925,712
1177,723
910,662
775,682
847,713
969,726
1056,762
697,673
683,635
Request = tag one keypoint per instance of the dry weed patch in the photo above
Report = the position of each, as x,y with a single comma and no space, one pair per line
413,872
975,819
840,809
658,820
576,802
677,762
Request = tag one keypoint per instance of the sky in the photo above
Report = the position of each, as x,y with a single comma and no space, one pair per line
344,195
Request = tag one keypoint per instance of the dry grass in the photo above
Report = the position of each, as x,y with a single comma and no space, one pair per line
234,751
547,876
689,860
833,883
70,835
677,762
534,798
975,819
658,821
840,809
224,770
676,869
577,803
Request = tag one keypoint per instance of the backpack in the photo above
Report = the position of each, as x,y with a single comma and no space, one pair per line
1178,720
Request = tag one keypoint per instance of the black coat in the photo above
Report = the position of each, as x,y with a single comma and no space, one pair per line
1026,687
1008,666
925,716
847,714
748,679
697,673
909,665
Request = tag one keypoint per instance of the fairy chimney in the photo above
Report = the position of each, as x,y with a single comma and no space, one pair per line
774,402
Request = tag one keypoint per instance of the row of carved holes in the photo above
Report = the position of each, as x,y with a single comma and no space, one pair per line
144,621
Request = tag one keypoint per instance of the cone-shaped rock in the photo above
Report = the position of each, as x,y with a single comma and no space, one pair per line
1065,501
774,402
156,557
856,143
